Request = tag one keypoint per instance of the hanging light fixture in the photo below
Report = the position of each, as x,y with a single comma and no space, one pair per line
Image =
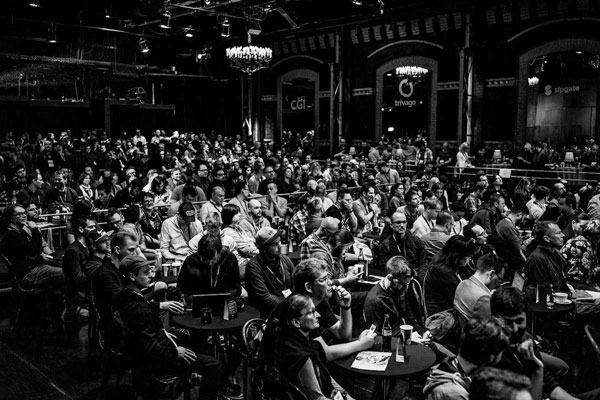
143,43
52,33
533,80
249,59
165,20
34,3
189,32
225,28
411,71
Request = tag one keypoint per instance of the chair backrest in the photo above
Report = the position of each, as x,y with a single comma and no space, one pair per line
252,332
593,339
15,281
416,300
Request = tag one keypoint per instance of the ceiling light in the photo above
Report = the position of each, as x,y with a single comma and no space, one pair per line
189,32
254,28
225,28
34,3
106,13
165,20
357,2
143,45
207,2
52,33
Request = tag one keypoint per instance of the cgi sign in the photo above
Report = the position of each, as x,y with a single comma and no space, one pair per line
298,104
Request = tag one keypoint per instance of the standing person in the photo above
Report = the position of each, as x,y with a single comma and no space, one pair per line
462,159
269,274
149,342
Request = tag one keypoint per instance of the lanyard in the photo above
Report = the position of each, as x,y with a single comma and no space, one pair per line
403,254
282,274
215,280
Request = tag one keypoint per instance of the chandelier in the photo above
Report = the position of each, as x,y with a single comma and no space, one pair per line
249,59
412,71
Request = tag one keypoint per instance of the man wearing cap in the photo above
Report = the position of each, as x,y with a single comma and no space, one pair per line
256,221
215,204
98,242
177,231
317,241
269,274
387,176
149,343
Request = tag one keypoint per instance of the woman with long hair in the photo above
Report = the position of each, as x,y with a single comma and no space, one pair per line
286,183
441,277
85,189
462,158
522,193
160,189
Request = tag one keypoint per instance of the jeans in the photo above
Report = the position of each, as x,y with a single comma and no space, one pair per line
43,276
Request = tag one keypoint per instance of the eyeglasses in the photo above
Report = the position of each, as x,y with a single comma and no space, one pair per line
115,222
32,209
313,312
399,222
324,279
19,214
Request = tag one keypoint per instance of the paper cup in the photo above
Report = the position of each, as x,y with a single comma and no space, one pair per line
406,331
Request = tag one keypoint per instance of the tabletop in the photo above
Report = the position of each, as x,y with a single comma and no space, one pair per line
418,358
541,308
218,323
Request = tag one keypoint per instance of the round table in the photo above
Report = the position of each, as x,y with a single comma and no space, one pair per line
418,359
218,323
542,311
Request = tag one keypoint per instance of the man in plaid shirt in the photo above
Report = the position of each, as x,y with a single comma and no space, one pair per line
298,221
319,238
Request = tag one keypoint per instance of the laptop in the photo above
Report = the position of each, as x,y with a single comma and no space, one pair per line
214,301
518,281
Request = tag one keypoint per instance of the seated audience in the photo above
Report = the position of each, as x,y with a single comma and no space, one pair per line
268,274
177,231
426,222
438,236
318,239
256,221
493,383
403,243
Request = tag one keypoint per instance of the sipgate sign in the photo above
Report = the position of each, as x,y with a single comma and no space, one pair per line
549,90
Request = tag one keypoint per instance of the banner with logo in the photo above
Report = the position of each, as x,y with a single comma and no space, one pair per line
405,103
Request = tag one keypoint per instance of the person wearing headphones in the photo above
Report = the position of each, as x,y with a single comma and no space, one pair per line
269,274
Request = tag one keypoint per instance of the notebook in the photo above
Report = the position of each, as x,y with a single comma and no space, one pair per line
214,301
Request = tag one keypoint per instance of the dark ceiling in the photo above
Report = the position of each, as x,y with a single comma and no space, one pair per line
100,37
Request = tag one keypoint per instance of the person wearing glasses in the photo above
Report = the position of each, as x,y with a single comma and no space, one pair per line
288,345
312,279
317,241
389,296
23,247
403,243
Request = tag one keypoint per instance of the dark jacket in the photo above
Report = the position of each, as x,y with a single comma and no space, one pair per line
197,277
147,339
75,257
439,286
56,200
485,218
380,302
265,286
92,266
106,284
545,266
410,248
23,251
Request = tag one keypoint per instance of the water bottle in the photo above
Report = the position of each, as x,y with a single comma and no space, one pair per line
550,297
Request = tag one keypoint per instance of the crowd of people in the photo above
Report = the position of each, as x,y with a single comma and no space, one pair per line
442,232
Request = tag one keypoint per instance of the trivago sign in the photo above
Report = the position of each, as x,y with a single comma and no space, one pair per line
406,90
549,89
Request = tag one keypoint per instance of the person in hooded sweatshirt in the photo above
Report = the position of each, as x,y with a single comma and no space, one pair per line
481,344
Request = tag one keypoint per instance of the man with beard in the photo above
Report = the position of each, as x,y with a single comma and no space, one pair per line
510,305
403,243
472,296
60,198
389,297
33,192
319,238
99,244
269,274
255,221
508,239
342,210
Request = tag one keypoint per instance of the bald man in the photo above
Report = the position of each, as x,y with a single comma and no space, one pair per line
317,241
255,220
